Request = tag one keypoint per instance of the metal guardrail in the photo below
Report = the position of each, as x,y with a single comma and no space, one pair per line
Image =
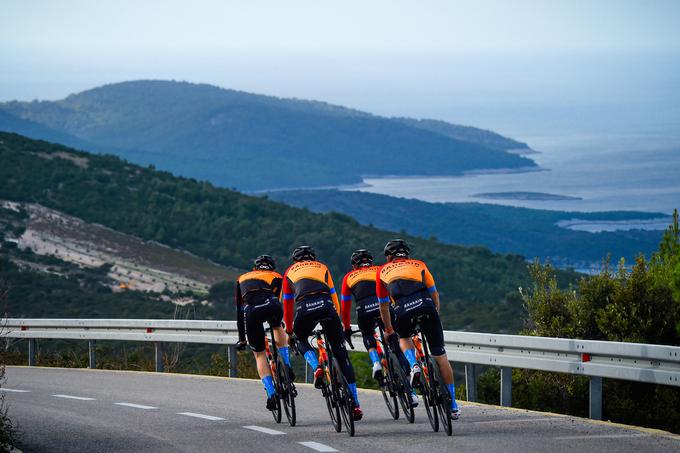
637,362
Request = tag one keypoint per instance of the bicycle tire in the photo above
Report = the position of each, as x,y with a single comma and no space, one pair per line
442,396
287,391
428,400
390,390
403,388
331,404
345,399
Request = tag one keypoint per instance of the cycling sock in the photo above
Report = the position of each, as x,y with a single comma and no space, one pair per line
413,392
353,389
269,386
312,360
285,355
375,358
452,391
410,356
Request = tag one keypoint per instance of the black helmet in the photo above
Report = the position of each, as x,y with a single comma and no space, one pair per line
265,262
397,247
361,257
303,253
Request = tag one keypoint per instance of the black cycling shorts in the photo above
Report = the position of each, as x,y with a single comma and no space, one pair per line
256,314
312,311
421,304
367,319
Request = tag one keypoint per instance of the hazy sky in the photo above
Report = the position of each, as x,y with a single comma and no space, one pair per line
472,62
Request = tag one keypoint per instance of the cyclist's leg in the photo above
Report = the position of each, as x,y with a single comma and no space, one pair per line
302,328
404,327
256,338
398,351
333,327
366,324
434,332
279,335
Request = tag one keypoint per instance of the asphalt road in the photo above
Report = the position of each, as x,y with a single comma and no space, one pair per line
91,410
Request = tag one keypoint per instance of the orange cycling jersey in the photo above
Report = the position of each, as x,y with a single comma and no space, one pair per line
401,278
359,283
303,280
252,288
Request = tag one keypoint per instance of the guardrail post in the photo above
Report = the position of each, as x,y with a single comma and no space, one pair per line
32,349
470,382
92,353
233,360
159,356
596,398
506,386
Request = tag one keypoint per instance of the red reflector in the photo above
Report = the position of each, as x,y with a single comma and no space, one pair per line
24,327
149,330
585,357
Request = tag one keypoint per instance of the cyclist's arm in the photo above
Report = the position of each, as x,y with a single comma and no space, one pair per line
334,295
276,285
346,297
431,288
238,301
287,297
384,300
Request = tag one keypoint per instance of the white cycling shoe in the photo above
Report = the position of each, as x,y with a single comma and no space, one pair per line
455,413
377,372
414,400
415,375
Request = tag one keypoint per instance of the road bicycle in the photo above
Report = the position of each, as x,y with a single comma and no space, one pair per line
339,399
285,388
436,396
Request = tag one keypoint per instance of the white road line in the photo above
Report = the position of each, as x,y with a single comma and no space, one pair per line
517,420
136,406
273,432
14,390
602,436
206,417
71,397
317,446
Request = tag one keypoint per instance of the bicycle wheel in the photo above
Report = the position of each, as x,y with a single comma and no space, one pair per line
345,398
332,405
429,401
390,390
442,396
287,391
403,389
277,409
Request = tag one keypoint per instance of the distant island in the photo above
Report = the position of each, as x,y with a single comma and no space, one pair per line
534,196
254,142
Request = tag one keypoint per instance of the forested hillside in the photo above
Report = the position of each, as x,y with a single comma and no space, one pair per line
479,288
529,232
248,141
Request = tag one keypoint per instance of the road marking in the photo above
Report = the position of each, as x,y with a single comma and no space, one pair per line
602,436
136,406
273,432
14,390
517,420
206,417
71,397
317,446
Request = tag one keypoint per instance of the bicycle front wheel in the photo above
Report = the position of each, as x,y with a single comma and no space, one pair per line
344,398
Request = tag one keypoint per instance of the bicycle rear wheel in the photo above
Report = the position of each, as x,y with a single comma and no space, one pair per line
429,401
403,388
390,390
442,396
344,398
332,405
277,409
287,391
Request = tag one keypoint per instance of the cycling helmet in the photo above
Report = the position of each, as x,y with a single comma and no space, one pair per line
397,248
265,262
361,257
303,253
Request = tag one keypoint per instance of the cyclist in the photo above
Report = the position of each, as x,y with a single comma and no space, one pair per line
410,286
360,283
308,284
256,297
